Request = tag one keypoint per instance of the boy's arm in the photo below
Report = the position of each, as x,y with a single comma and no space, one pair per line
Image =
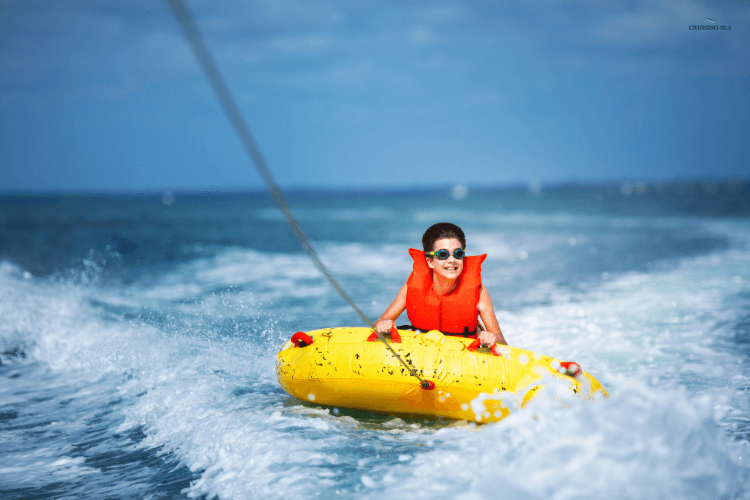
487,313
384,323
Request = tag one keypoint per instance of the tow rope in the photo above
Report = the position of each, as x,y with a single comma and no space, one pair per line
220,88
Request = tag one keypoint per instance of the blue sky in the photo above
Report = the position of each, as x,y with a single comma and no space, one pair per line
106,95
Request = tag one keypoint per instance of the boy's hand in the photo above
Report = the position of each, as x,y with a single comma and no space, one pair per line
383,325
489,338
486,338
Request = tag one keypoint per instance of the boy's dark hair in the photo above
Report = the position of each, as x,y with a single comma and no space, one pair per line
439,231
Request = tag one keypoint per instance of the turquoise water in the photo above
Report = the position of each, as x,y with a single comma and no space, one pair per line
138,339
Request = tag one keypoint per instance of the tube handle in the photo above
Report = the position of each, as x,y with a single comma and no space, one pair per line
301,339
395,336
570,368
477,343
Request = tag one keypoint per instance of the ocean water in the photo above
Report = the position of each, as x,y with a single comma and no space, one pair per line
138,336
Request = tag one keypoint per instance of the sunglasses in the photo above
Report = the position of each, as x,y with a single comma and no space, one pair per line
443,254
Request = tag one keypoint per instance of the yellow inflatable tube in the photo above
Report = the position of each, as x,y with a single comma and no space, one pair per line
341,368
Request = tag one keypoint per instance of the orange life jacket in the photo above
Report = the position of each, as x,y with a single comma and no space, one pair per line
453,313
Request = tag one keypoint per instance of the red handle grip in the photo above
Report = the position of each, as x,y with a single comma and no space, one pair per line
571,369
301,339
395,336
477,343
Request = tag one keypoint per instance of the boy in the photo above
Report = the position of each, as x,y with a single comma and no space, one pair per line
444,291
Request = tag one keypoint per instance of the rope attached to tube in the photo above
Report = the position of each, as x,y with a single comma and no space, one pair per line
212,73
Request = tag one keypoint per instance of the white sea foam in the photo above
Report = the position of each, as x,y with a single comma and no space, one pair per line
641,442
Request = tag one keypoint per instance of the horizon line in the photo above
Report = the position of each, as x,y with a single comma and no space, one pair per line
532,186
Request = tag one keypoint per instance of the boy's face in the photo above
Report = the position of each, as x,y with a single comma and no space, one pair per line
450,268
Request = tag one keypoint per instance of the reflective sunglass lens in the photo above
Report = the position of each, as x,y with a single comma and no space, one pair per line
443,254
